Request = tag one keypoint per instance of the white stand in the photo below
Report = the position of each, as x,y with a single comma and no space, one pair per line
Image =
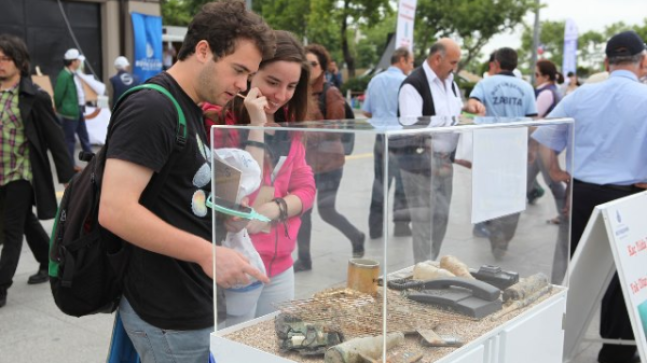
600,250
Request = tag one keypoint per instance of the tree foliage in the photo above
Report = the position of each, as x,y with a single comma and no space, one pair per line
473,22
180,12
291,15
590,45
350,14
374,41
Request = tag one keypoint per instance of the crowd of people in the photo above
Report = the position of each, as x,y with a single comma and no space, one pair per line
233,69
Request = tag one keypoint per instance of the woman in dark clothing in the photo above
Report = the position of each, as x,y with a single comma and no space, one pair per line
325,154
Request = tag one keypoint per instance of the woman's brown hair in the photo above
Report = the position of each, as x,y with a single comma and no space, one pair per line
322,56
547,68
288,49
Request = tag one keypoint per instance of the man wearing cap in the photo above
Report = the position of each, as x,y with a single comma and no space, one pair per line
123,80
609,146
69,100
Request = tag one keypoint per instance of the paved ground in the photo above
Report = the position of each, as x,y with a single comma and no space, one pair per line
33,330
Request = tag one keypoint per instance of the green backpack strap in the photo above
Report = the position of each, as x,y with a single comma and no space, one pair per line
181,122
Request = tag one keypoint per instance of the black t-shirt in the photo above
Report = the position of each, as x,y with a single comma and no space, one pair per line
166,292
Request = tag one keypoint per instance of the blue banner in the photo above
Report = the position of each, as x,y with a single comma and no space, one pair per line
147,30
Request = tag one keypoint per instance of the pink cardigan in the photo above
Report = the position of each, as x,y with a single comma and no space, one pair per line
295,177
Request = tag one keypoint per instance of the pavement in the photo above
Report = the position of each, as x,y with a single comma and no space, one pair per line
33,330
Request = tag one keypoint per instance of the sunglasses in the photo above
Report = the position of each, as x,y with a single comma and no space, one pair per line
314,64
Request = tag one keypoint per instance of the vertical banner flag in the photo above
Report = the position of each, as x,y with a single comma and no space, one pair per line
570,47
147,30
404,31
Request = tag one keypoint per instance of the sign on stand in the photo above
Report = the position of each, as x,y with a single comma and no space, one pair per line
615,237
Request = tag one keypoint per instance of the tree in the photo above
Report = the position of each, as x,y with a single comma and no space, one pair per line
347,14
590,44
374,41
290,15
551,38
180,12
475,22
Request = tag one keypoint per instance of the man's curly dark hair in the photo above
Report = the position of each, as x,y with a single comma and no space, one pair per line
222,24
14,48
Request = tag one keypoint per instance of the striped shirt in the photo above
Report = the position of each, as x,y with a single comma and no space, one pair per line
14,151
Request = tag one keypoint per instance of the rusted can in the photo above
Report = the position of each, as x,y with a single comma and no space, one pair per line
363,275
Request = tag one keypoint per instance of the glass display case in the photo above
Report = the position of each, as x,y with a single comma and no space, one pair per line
400,240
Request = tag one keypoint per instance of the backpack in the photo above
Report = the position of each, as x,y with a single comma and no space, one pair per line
87,262
347,138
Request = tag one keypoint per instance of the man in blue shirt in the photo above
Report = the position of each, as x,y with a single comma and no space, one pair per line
503,95
382,103
123,80
609,146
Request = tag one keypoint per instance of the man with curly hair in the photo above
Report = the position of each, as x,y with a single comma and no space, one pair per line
167,306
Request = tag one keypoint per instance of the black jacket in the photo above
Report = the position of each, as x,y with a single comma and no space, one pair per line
43,133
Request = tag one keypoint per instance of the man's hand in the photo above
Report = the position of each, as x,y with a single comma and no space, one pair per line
559,175
567,202
463,163
475,106
232,268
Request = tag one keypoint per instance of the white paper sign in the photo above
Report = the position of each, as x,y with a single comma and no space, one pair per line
404,30
499,172
627,232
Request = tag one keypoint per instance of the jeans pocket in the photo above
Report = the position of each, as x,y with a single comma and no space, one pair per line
142,344
190,346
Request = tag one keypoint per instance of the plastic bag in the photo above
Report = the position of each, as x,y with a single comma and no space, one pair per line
241,242
250,180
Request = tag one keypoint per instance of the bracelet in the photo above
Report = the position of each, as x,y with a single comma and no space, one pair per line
283,209
258,144
283,215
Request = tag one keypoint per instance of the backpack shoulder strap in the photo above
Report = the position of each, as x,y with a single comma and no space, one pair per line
155,185
181,135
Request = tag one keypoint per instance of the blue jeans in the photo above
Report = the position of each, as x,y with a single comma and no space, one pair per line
72,127
244,306
155,345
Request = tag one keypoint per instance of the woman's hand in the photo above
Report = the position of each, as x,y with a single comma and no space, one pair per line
256,227
256,105
236,224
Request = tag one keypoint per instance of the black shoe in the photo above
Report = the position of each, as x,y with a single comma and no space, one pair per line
358,246
402,229
38,278
300,265
375,233
3,298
